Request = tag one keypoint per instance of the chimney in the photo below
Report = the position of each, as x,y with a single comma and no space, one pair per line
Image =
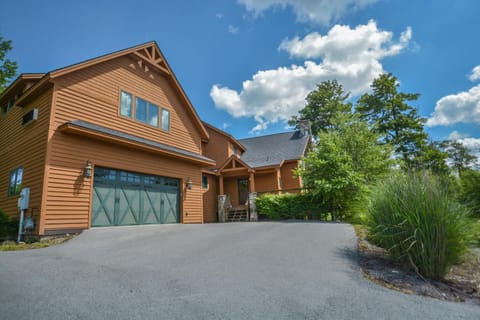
304,127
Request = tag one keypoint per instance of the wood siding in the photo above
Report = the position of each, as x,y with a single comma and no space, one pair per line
92,95
289,181
266,182
210,200
230,186
218,147
24,146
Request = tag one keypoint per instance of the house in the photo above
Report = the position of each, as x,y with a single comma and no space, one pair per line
262,164
114,140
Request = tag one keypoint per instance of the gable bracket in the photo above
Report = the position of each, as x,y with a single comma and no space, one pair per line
152,61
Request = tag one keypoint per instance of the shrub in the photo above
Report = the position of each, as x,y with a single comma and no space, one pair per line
416,218
290,206
8,226
470,190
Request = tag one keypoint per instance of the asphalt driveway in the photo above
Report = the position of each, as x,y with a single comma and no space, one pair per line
215,271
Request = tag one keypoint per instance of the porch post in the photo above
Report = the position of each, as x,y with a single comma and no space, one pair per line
222,199
252,182
220,183
253,208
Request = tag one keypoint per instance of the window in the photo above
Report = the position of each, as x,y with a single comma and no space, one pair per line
205,181
165,120
9,105
144,111
126,104
15,182
235,150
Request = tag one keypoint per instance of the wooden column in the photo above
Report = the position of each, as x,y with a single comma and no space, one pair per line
252,182
220,185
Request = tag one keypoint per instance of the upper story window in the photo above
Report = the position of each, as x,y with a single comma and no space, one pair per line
15,182
126,104
235,150
165,119
8,105
144,111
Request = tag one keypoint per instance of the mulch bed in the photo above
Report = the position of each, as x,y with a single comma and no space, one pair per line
462,284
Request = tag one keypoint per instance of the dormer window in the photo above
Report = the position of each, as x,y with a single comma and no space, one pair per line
235,150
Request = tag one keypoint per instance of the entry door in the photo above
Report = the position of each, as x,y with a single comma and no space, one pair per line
127,198
243,189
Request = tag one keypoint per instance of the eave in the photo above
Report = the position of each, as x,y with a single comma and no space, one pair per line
84,129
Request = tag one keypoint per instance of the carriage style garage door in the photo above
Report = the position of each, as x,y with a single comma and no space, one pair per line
127,198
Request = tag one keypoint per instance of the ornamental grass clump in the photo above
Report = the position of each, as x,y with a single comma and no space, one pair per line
416,218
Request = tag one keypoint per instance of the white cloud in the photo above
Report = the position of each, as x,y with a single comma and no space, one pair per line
316,11
219,15
475,75
232,29
225,125
352,56
455,135
463,107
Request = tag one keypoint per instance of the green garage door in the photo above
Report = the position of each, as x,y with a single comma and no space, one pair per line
127,198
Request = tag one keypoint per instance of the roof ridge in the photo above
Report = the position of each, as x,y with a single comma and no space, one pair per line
268,135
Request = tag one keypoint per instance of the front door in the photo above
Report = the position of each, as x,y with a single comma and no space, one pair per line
243,190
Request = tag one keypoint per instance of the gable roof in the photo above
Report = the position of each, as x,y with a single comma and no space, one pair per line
271,150
233,159
148,52
225,134
20,83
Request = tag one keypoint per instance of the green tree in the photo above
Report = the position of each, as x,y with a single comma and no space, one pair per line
8,68
459,155
387,111
322,105
470,190
431,157
345,160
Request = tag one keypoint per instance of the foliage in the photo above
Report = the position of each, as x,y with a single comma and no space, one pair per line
8,68
416,218
459,155
388,113
431,158
323,104
345,160
8,226
470,190
290,206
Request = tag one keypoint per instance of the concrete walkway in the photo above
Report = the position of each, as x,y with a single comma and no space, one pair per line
216,271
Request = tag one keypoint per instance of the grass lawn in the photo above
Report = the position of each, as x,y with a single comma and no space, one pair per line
13,246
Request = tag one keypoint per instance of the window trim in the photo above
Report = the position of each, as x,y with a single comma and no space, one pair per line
15,185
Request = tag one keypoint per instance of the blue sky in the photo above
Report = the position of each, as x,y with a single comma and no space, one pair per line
247,65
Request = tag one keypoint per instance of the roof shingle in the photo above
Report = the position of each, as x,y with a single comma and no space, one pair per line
272,149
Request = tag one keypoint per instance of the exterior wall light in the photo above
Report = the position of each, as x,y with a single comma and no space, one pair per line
87,171
189,184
